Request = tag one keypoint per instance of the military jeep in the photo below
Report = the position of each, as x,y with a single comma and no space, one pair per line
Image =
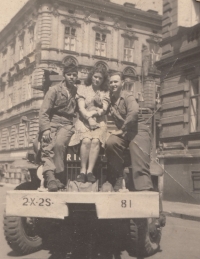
83,223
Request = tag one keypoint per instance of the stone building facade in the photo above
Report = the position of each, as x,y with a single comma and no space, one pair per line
47,34
180,96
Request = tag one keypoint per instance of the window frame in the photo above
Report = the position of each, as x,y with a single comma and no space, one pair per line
71,37
197,97
197,177
31,40
21,49
131,49
4,61
100,42
12,55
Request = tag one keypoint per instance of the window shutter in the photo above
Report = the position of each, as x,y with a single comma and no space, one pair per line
130,55
66,43
103,49
72,45
97,48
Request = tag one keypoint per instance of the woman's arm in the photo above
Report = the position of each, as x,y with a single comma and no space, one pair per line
82,110
105,104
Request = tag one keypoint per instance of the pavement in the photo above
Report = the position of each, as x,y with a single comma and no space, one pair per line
171,209
182,210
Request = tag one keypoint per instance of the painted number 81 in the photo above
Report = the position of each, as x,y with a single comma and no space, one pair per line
126,203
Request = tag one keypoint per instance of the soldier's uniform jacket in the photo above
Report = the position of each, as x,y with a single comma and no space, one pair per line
58,107
125,113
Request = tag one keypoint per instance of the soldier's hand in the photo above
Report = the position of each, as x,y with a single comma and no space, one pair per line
116,132
46,136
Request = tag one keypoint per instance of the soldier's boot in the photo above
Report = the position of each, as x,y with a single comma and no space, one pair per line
60,179
51,181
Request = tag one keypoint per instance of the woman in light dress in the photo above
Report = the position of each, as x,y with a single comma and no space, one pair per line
90,128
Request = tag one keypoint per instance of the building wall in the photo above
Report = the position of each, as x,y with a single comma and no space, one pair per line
35,40
179,121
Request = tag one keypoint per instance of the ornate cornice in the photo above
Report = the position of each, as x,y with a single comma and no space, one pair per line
130,35
102,28
31,25
129,63
116,24
87,16
21,35
71,21
55,11
154,39
4,50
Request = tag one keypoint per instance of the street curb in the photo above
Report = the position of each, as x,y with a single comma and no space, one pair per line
182,216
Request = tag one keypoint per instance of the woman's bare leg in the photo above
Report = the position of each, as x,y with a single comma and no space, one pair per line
84,154
93,155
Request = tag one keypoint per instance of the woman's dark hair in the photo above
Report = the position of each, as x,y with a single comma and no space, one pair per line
103,72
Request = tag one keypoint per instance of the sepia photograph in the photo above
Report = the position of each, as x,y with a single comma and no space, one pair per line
100,129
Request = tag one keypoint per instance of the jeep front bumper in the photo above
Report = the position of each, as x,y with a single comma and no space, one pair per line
109,205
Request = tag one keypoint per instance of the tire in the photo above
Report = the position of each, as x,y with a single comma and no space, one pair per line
20,235
144,237
21,239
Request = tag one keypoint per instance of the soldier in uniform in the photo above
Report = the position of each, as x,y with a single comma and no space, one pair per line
132,133
56,127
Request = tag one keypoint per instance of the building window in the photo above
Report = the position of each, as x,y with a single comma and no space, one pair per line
10,101
100,44
70,39
194,105
196,180
2,93
12,55
21,49
129,85
4,59
19,95
154,53
128,49
26,135
8,138
29,88
0,140
31,40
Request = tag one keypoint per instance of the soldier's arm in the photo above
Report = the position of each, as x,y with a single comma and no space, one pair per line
46,109
131,119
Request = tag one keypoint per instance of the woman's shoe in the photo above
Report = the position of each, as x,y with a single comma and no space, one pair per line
91,178
81,178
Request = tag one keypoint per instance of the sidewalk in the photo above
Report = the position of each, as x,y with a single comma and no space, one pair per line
182,210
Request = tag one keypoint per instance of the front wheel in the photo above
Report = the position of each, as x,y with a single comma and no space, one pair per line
144,237
20,232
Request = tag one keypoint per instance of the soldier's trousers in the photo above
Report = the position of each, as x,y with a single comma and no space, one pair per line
139,148
53,154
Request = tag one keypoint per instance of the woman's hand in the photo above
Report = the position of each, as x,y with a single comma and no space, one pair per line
93,124
46,136
116,132
91,113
